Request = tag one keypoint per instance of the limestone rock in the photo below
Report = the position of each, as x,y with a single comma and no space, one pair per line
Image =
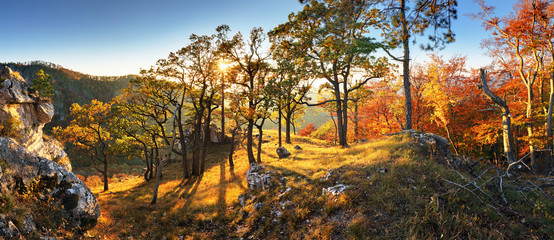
81,209
438,147
282,152
335,190
257,177
20,103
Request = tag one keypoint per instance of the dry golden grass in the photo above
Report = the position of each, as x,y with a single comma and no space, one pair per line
398,204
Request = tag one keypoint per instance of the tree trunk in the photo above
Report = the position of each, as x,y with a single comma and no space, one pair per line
450,139
249,141
287,128
529,115
549,123
146,158
260,141
206,140
344,137
105,174
222,140
506,119
356,130
340,121
279,127
158,177
406,65
233,135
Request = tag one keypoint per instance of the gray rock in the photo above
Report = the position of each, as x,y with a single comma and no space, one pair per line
257,178
282,152
16,102
242,199
297,147
81,208
335,190
29,224
9,231
258,206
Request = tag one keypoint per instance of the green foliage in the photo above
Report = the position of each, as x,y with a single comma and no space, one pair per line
43,85
326,131
9,126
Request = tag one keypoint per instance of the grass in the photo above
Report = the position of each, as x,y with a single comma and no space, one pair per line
395,191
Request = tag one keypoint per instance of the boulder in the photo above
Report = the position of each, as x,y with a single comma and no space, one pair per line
257,177
297,147
282,152
438,147
23,168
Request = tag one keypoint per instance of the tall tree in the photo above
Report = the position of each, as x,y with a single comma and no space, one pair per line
520,36
507,136
332,38
253,70
403,21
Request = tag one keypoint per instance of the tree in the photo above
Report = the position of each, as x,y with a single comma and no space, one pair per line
507,137
90,132
43,85
331,37
401,23
520,36
252,69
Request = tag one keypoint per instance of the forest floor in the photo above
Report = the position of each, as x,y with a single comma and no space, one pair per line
393,190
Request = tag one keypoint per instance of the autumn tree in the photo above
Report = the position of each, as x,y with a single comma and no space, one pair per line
253,69
507,136
332,38
403,21
520,36
90,132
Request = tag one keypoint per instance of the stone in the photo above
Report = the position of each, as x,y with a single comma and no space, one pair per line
81,208
29,224
9,230
335,190
438,147
282,152
297,147
256,178
31,113
258,206
242,199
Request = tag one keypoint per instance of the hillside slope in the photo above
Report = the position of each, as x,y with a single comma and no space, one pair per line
394,188
71,87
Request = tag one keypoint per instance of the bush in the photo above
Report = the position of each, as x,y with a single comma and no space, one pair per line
307,131
325,132
43,85
93,180
9,126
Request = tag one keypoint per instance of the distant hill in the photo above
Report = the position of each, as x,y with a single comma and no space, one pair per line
71,87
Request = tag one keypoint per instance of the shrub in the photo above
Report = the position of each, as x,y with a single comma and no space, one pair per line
307,130
93,180
325,132
43,85
9,126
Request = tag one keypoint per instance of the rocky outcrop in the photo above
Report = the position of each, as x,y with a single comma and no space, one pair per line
29,165
438,147
20,103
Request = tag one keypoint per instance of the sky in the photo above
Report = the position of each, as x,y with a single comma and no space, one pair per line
119,37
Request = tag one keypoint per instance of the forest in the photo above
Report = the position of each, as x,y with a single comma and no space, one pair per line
226,102
323,57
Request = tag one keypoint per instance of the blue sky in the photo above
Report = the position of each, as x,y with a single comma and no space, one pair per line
117,37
